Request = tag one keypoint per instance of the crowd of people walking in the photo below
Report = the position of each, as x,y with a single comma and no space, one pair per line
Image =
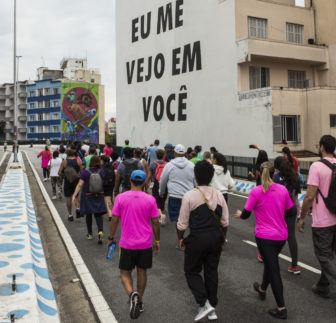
197,186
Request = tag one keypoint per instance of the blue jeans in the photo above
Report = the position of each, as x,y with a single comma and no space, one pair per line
174,206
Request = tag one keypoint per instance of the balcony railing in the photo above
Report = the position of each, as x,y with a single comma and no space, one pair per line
22,118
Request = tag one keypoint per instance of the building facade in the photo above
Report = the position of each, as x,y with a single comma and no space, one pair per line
226,73
44,110
7,109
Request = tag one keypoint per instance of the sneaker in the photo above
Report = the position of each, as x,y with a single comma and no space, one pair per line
262,295
295,270
163,219
100,237
278,314
78,215
70,218
54,197
134,305
260,258
212,316
89,236
204,311
141,307
319,291
45,179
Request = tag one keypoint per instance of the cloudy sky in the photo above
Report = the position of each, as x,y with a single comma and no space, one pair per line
49,30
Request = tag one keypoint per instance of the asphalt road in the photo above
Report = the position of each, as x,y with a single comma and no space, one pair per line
167,297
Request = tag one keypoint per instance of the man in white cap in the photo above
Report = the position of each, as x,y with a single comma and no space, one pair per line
178,176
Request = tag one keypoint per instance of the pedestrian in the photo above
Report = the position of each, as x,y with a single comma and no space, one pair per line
108,150
321,195
262,158
62,153
198,150
285,176
70,169
138,214
207,157
108,184
138,156
169,152
212,151
271,203
222,180
5,146
125,170
155,172
123,148
86,159
46,156
56,180
151,152
92,202
205,213
177,178
194,157
188,153
48,142
85,147
115,161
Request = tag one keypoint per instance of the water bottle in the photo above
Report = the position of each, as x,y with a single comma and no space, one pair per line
110,250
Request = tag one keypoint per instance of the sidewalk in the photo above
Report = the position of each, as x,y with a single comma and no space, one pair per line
23,266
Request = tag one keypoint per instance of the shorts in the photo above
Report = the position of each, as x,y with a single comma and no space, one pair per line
69,188
129,259
174,206
108,193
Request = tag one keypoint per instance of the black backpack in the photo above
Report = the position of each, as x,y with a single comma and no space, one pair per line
330,200
129,168
109,179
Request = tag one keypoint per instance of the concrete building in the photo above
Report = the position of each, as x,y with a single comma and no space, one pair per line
7,109
226,73
44,110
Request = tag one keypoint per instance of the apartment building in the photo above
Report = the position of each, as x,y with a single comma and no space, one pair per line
7,109
44,110
226,73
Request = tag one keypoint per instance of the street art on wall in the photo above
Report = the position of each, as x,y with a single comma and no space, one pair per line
80,112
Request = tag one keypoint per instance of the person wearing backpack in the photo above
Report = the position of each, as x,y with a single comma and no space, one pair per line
56,180
86,159
108,184
70,169
321,194
155,172
125,170
92,200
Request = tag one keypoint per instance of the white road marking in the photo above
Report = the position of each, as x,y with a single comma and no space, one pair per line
234,194
300,264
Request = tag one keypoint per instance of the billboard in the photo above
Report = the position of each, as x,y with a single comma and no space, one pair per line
80,112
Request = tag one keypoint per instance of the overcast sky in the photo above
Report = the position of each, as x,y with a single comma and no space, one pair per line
48,30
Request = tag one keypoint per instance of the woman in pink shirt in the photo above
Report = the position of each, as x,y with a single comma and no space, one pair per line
108,150
271,203
46,157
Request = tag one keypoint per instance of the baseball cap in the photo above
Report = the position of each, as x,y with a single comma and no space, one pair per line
168,146
180,149
138,176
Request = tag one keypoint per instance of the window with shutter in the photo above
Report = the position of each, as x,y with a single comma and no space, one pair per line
259,77
277,133
294,33
296,79
257,27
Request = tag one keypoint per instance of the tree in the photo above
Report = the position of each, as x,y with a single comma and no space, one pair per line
2,129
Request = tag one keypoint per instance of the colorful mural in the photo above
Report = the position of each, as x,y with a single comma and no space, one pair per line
80,112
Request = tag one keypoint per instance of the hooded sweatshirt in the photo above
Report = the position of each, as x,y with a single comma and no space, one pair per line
222,182
178,176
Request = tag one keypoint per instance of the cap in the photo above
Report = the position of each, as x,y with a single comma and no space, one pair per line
180,149
138,176
168,146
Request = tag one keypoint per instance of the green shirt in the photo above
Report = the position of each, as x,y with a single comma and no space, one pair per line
195,160
87,161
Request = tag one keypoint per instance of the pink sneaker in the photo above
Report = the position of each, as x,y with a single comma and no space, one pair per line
295,270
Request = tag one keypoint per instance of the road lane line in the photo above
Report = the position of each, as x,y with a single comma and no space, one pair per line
96,298
234,194
312,269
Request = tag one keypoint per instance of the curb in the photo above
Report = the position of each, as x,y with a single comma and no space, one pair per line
3,158
96,298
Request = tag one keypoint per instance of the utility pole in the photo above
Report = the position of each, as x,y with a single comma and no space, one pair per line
15,91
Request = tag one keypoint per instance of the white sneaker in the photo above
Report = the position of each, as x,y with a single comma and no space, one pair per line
54,197
163,219
212,316
45,179
204,311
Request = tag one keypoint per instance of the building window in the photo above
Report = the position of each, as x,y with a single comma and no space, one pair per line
46,128
32,94
40,117
31,106
55,116
55,128
40,129
47,104
296,79
259,77
47,91
55,104
333,121
40,92
32,117
257,27
294,33
56,90
31,130
40,104
286,129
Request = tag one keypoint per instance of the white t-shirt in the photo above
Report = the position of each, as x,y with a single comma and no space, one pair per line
55,164
86,148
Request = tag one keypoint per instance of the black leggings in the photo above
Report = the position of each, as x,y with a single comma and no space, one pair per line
293,248
45,172
269,250
99,222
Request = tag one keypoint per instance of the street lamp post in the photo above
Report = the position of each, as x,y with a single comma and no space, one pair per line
15,90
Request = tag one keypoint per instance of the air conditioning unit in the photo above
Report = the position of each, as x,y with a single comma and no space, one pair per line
308,83
311,41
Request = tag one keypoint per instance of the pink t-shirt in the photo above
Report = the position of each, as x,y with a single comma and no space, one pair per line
135,209
46,156
108,151
320,176
269,209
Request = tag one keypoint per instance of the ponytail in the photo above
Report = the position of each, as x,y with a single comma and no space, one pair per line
267,172
287,152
